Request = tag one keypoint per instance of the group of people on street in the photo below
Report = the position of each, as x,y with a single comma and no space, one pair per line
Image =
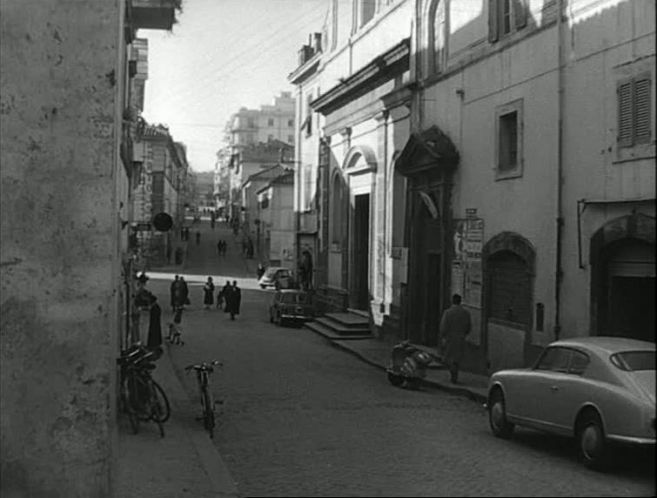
221,247
184,233
229,297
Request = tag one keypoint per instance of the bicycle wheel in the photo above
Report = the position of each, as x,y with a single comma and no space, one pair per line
208,415
160,399
140,397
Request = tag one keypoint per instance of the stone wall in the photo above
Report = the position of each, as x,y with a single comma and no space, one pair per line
59,88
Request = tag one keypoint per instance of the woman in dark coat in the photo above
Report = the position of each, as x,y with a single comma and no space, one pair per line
208,293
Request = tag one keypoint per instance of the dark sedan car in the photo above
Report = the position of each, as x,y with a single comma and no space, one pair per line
290,305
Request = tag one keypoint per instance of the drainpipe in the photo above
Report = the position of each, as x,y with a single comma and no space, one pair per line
558,273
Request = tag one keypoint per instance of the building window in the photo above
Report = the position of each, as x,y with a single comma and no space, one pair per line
436,36
509,140
308,121
290,139
367,9
290,123
270,138
634,111
251,123
270,122
505,17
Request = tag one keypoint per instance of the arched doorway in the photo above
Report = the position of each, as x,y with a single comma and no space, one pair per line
509,266
623,278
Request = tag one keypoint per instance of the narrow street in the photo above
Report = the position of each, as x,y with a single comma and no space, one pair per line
302,418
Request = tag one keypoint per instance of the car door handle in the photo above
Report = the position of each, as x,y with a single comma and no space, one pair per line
554,388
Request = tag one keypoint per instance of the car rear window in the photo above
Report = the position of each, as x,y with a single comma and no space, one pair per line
289,298
631,361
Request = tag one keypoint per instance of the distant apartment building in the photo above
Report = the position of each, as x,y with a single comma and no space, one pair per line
276,228
251,129
270,122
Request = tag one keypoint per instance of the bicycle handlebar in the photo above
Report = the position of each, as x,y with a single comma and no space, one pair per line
207,366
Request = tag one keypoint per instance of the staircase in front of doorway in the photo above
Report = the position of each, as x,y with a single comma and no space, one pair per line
352,324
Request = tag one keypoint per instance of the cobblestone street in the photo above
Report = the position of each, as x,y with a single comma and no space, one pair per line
302,418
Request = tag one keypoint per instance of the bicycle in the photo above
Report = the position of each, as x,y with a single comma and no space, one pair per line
203,372
141,398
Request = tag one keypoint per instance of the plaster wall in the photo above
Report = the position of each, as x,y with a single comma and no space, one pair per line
607,43
60,84
526,204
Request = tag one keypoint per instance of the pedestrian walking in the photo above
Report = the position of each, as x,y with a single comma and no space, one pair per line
175,328
172,291
198,238
260,271
234,300
208,293
225,293
154,341
185,291
219,248
455,324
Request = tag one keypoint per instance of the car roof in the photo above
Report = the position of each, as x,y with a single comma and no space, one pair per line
606,344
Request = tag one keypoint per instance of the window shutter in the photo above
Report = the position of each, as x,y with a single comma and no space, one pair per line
642,110
625,112
520,13
492,21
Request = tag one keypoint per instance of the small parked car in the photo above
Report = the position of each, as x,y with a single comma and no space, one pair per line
291,305
278,277
599,390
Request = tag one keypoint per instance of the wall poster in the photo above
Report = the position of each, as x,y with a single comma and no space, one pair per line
467,277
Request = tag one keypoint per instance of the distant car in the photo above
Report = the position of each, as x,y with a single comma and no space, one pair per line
290,305
600,390
278,277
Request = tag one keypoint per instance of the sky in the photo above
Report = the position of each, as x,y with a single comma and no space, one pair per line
222,55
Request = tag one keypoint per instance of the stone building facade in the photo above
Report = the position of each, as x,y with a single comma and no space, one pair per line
66,170
500,150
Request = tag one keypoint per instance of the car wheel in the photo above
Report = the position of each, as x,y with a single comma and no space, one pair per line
499,424
591,443
263,286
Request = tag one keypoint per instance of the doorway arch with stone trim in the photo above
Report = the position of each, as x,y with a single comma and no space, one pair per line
359,169
622,256
427,161
509,267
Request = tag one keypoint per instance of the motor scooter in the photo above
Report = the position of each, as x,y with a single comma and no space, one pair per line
409,364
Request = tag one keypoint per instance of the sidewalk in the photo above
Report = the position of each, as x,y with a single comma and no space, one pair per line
377,353
184,463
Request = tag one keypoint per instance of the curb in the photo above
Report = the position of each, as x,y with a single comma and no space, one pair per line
213,465
462,391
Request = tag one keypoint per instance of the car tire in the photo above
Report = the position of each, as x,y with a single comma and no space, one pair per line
591,443
499,424
263,286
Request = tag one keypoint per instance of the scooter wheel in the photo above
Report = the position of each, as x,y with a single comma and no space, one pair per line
395,380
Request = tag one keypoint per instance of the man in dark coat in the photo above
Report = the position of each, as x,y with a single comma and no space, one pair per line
455,324
234,300
154,341
172,291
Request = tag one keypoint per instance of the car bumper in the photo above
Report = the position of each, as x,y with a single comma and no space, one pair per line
288,316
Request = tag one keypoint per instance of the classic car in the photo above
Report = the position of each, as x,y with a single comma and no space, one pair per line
276,276
599,390
290,305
